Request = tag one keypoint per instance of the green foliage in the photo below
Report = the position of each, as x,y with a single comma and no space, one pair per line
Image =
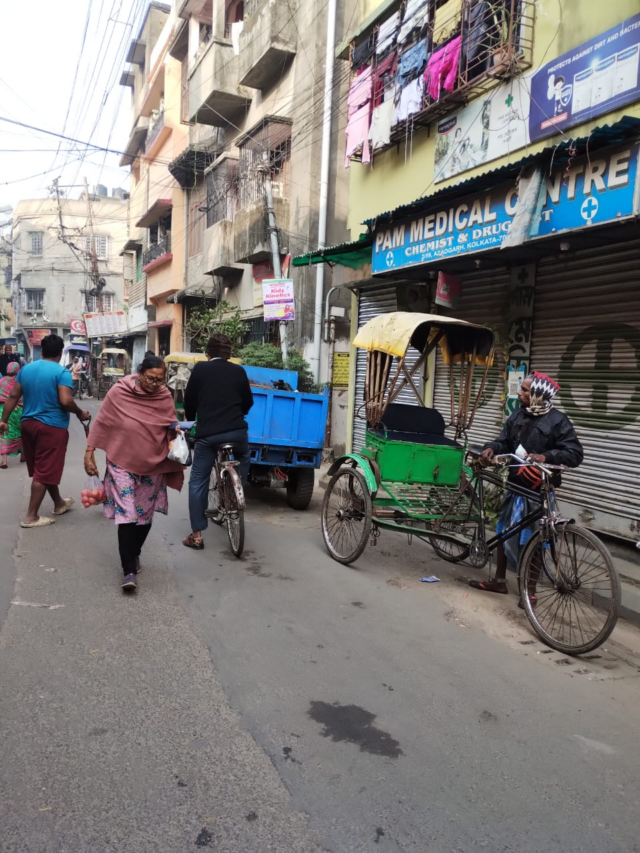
268,355
222,319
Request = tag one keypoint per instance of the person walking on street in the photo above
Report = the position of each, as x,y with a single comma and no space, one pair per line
45,387
8,357
11,441
541,433
132,427
219,395
76,369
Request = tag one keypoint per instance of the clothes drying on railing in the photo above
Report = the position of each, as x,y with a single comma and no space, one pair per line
442,69
362,53
412,63
382,120
411,100
415,18
384,78
387,34
359,116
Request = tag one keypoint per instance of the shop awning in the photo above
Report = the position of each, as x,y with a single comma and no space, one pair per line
600,137
158,209
353,255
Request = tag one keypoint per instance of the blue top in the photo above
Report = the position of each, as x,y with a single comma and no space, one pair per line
40,381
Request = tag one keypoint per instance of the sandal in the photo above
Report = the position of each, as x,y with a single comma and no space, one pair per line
41,522
68,503
192,542
491,585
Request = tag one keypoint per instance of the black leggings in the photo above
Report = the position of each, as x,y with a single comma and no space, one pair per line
131,538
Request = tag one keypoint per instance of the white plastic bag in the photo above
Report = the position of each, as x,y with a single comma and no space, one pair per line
179,450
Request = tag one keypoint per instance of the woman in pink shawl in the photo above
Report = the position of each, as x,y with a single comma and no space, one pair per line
132,428
11,441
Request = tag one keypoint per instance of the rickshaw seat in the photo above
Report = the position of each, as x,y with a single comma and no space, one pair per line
416,424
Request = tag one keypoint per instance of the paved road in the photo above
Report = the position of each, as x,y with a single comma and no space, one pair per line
286,703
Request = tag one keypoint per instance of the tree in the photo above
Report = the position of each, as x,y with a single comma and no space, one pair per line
268,355
222,319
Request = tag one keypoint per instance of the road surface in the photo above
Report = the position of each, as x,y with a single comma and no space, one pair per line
284,702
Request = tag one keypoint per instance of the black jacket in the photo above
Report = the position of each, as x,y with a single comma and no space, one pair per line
551,434
218,392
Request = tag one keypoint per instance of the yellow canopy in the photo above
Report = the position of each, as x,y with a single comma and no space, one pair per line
393,333
184,357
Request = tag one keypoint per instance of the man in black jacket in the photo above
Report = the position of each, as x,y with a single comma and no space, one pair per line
219,395
539,432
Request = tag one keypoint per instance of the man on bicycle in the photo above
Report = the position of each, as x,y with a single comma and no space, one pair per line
219,396
541,433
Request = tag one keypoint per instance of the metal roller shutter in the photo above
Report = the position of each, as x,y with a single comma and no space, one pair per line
484,299
370,304
586,334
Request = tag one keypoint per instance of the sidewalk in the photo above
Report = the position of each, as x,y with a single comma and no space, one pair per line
626,559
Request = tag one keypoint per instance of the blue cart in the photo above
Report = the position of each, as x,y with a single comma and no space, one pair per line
286,434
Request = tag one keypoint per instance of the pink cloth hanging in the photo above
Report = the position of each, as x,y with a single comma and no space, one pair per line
360,91
358,127
442,68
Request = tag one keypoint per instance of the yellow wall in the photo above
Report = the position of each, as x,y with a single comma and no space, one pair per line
560,25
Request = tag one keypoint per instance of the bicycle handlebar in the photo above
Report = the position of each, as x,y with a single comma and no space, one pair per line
547,468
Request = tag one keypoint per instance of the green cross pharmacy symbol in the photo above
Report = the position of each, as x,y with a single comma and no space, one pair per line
509,99
599,376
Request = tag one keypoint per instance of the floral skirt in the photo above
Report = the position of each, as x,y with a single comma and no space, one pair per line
132,498
11,441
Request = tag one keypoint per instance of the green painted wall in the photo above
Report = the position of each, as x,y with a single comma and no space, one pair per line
400,176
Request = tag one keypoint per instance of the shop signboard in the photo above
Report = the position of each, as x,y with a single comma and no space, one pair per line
278,299
594,78
105,324
35,336
592,191
77,327
485,130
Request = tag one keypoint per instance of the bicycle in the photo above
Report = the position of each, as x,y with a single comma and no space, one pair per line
226,504
569,587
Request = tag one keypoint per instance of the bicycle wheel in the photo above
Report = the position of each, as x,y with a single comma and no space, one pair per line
447,549
214,511
576,586
346,515
234,513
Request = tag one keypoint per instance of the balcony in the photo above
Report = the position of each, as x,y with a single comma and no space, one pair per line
265,44
215,98
157,254
218,255
159,130
251,237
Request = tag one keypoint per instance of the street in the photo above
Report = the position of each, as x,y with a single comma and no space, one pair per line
284,702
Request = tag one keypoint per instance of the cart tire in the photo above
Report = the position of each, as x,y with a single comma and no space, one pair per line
452,552
346,515
300,485
577,614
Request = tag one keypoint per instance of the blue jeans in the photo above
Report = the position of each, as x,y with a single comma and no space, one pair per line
203,461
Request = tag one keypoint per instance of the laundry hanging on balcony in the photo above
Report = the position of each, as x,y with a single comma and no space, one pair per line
442,69
384,78
412,63
359,116
362,53
415,18
411,100
387,34
382,120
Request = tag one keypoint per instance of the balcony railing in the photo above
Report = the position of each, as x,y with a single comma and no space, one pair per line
154,130
157,250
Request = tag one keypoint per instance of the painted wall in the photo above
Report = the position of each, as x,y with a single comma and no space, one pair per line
559,27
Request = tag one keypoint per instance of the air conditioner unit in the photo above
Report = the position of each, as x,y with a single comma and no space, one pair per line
277,189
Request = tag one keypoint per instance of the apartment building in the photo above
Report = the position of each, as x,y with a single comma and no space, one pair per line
52,243
240,91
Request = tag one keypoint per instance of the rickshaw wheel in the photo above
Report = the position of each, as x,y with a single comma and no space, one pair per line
346,515
452,552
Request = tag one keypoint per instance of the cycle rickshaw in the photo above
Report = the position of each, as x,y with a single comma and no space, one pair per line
411,476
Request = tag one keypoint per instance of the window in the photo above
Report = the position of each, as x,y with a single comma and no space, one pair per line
222,192
34,300
196,222
93,302
102,246
35,242
269,143
234,13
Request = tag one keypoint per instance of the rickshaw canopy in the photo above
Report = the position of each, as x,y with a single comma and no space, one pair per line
184,357
395,332
114,351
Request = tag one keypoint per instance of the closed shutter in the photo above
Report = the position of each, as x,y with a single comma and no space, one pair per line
586,334
484,300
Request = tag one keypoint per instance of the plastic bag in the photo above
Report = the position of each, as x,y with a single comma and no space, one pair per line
179,450
94,492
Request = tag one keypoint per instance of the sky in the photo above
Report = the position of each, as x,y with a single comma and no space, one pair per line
42,46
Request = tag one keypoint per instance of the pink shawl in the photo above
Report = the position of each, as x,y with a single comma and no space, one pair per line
132,429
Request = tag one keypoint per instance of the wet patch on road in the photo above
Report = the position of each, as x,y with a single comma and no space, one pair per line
358,604
352,724
251,817
379,835
205,839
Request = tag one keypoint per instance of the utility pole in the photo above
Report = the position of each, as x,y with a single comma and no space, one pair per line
95,269
275,250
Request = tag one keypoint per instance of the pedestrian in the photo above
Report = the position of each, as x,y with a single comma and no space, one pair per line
8,357
76,369
45,387
11,441
541,433
132,428
219,395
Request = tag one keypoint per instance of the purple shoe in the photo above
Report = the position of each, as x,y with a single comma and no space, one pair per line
129,583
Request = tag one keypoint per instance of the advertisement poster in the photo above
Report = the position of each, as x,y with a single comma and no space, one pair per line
483,131
106,324
35,336
448,290
277,295
596,77
341,370
77,327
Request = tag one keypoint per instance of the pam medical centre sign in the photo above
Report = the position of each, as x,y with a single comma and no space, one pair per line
590,191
